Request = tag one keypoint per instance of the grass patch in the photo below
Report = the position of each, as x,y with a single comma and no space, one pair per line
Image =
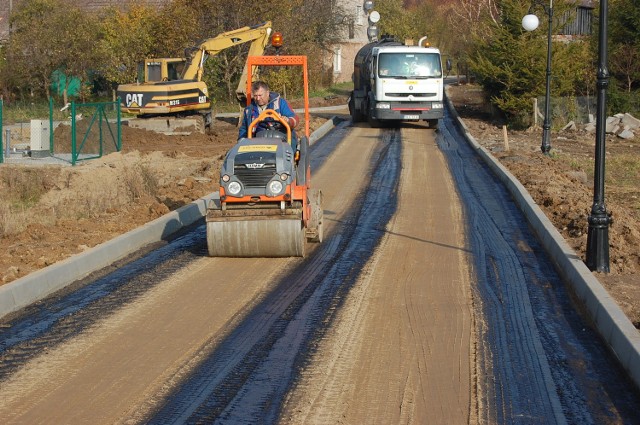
339,89
23,187
140,181
623,171
20,190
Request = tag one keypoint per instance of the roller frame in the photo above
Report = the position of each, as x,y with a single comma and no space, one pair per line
257,225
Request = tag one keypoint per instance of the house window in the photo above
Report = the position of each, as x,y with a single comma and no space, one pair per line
359,20
337,59
577,21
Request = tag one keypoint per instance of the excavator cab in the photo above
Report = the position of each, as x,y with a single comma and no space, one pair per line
155,70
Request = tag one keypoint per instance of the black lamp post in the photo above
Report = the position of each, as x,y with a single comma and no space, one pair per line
599,220
530,22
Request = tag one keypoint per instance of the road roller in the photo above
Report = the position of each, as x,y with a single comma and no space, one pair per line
266,205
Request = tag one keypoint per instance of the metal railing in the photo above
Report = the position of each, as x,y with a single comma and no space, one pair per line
93,130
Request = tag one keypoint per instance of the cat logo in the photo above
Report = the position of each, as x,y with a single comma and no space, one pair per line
133,100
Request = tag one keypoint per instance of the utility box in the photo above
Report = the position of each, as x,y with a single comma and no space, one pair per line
40,138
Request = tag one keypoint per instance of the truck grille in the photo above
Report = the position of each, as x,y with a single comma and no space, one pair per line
416,95
255,178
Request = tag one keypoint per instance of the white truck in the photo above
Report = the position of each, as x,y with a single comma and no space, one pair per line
397,82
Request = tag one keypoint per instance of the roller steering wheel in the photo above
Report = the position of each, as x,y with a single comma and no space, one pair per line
274,125
277,120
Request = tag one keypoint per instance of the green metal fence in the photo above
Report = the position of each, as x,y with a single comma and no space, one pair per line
93,130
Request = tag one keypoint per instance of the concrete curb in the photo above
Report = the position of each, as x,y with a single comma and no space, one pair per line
323,130
610,321
37,285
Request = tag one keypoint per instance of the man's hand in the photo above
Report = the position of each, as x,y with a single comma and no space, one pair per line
291,121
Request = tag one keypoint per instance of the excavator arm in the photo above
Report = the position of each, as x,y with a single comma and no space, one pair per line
258,35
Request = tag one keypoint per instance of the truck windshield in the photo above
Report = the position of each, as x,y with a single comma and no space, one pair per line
409,65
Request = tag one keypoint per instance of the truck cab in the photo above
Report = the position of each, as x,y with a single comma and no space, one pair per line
395,82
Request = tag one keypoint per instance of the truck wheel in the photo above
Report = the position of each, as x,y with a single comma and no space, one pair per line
433,124
355,114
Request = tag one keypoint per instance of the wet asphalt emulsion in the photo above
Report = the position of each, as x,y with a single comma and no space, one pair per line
538,361
64,315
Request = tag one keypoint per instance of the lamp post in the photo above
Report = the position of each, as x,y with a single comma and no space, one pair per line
599,220
530,22
372,31
373,17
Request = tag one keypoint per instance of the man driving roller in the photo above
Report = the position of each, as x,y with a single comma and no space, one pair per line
261,99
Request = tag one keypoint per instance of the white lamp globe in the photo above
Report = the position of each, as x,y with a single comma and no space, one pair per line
530,22
374,17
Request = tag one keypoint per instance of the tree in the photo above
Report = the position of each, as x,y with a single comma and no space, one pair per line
511,63
126,38
63,42
473,18
118,38
77,32
32,49
309,27
397,21
624,42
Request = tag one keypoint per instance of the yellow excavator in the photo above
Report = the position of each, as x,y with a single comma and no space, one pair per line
174,99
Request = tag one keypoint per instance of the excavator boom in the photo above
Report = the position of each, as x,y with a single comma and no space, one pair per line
258,35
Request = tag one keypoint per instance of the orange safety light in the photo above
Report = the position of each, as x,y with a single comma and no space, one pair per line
277,40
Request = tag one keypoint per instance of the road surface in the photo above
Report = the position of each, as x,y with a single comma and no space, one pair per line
428,302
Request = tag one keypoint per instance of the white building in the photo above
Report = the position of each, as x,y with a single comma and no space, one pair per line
353,38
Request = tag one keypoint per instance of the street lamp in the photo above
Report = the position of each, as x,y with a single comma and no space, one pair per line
530,22
372,31
599,220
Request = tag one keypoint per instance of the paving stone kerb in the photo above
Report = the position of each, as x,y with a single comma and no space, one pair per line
38,285
610,321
